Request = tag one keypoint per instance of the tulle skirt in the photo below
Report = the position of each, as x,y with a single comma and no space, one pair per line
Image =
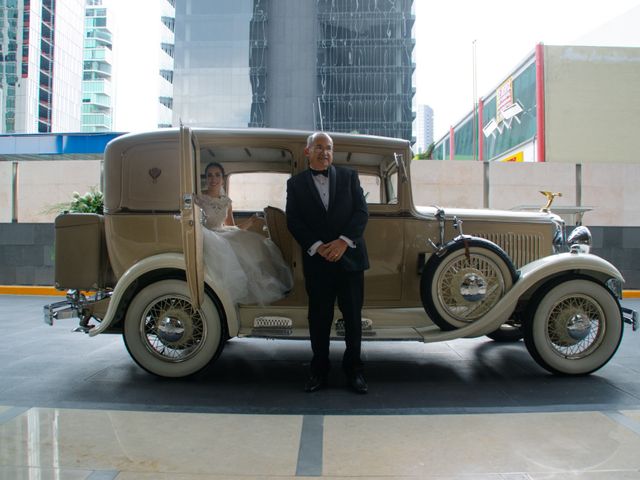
247,264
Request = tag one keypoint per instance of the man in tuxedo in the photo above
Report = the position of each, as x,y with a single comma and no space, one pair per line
327,214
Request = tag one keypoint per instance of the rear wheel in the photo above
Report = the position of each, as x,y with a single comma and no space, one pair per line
166,336
457,289
574,326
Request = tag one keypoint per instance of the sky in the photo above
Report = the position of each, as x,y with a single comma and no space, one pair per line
505,33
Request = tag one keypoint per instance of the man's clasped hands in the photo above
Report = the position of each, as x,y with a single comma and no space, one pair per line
333,251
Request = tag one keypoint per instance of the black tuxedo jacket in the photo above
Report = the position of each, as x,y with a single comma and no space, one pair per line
347,215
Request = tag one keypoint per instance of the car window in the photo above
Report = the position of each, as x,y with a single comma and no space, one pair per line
256,176
371,187
378,190
392,188
254,191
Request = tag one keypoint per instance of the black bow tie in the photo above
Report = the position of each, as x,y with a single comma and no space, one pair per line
319,172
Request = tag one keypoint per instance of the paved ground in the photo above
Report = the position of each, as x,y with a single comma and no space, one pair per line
45,366
74,407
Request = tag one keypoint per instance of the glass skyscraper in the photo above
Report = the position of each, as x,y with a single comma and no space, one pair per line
365,67
40,65
337,65
97,71
213,77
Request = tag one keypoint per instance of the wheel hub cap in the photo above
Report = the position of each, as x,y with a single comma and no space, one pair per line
473,287
575,326
578,326
170,329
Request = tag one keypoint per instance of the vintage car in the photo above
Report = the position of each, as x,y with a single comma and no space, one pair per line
436,273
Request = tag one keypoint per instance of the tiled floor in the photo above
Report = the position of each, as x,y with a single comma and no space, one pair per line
78,408
43,443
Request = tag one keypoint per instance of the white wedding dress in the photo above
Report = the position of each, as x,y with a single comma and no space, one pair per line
249,265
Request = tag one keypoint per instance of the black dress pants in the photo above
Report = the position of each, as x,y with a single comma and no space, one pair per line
325,284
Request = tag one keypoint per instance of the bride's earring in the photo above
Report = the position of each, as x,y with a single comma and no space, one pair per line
222,191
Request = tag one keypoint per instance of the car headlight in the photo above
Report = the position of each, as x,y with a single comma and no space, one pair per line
559,235
580,240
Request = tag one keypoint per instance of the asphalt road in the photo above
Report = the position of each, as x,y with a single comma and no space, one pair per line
45,366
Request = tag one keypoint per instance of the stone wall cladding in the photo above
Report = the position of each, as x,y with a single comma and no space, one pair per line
27,252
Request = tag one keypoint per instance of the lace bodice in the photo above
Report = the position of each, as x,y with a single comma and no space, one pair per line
214,209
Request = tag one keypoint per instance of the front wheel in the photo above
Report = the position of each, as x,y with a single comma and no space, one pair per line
574,327
166,336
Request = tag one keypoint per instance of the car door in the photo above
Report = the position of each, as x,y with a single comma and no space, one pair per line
190,216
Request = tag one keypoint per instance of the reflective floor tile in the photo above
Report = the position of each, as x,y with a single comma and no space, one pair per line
600,475
152,442
26,473
450,445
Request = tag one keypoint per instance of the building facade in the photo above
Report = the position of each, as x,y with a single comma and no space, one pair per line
337,65
424,128
41,65
143,53
563,103
97,69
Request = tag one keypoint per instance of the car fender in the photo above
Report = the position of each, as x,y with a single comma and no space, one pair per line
164,261
528,276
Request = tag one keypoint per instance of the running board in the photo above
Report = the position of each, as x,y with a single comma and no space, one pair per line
272,326
275,326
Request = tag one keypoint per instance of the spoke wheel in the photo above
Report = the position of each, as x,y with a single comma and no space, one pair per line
166,336
574,326
457,289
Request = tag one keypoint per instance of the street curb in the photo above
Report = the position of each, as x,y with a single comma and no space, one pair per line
30,290
51,291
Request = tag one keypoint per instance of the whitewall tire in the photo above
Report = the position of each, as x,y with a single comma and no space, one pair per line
166,336
574,326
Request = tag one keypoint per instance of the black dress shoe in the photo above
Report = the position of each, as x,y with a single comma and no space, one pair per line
315,383
358,383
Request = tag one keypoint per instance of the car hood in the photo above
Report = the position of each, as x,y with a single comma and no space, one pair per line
486,214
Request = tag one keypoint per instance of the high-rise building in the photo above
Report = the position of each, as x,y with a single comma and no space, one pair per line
97,69
338,65
143,50
40,65
424,128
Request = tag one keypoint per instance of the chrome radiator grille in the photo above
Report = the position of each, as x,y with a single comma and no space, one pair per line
522,249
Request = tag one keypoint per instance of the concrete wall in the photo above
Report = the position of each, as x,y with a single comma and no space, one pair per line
609,190
43,184
592,103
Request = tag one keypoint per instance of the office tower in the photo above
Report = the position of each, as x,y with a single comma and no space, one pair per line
424,128
41,65
143,51
97,69
365,68
215,44
337,65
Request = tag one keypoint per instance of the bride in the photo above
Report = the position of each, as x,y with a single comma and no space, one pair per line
249,265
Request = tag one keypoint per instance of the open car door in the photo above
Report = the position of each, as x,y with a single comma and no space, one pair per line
190,216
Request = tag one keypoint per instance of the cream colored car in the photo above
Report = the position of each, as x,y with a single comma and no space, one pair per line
436,273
